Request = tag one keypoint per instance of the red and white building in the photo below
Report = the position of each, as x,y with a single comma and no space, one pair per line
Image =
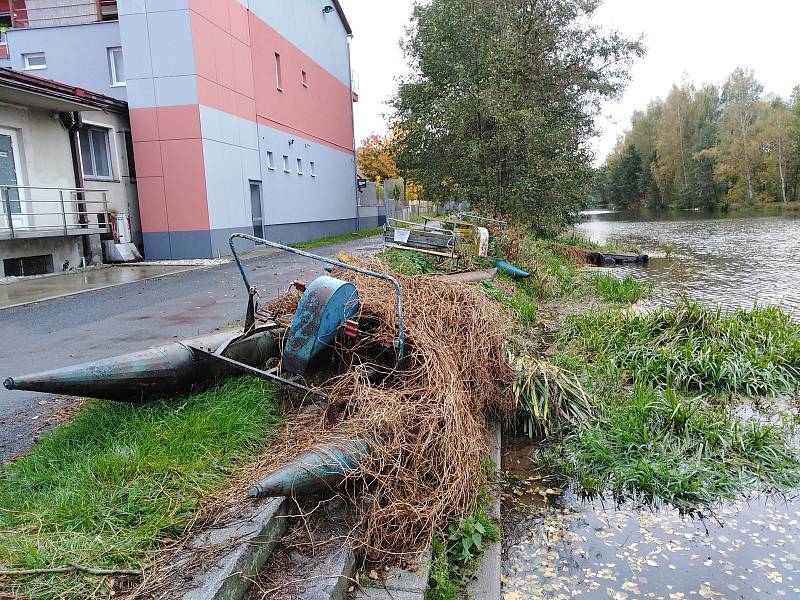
241,114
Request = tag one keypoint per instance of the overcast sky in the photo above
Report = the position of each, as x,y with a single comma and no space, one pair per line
698,40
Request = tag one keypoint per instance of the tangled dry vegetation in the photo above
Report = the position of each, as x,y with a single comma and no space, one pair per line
430,419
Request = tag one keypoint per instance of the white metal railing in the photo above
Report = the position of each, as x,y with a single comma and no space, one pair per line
35,211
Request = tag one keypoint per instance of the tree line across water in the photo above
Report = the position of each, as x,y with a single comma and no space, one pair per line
707,147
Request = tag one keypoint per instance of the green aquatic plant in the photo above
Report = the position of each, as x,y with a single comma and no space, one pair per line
623,291
689,346
551,398
660,445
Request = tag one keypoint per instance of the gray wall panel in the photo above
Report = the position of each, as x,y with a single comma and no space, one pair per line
156,246
76,55
288,233
190,244
293,198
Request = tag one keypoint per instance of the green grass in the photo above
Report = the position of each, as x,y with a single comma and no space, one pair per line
662,387
407,262
107,487
689,346
520,301
338,238
621,291
456,554
659,445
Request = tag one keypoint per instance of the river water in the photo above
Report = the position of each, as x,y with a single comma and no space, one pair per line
730,260
558,546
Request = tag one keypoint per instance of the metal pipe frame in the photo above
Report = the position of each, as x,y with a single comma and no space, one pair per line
82,215
399,343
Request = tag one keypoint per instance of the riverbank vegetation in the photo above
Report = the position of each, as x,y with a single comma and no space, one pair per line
708,147
654,404
106,488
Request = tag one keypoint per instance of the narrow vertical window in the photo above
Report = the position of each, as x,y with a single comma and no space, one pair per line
312,169
116,66
270,161
304,78
286,164
299,166
278,77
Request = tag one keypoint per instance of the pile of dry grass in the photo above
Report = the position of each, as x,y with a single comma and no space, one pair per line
429,419
575,254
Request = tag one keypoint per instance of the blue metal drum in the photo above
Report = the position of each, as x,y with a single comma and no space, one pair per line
325,305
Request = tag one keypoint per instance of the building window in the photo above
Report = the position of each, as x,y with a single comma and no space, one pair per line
304,78
312,169
270,161
116,65
95,152
108,10
278,77
285,164
33,61
299,166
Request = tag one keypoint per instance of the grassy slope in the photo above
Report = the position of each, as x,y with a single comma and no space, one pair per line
105,488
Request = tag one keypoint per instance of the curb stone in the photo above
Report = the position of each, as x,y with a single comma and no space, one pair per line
256,533
486,583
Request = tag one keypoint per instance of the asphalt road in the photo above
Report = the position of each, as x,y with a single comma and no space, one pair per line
111,321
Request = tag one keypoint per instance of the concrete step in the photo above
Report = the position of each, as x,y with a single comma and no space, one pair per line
398,584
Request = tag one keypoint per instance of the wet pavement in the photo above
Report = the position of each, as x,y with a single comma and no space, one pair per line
115,320
558,546
37,289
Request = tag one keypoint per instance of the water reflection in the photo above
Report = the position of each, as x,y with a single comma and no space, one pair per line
749,549
732,260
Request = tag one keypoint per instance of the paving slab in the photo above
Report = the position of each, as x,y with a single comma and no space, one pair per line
25,290
400,584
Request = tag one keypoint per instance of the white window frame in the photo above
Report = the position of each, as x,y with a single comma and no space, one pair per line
17,219
27,66
312,168
112,67
299,166
286,163
110,149
270,161
278,74
304,78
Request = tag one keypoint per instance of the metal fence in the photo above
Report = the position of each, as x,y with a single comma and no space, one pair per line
31,211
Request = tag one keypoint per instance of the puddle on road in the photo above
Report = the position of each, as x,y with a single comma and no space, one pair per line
34,290
559,546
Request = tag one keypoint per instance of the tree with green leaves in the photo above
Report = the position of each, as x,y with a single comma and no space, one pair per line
500,105
740,96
